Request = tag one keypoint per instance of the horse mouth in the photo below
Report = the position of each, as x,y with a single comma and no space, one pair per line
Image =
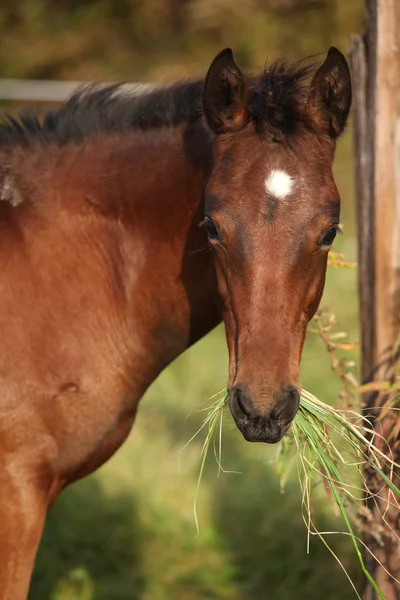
258,430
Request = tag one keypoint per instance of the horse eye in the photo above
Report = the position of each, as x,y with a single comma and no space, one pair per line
328,238
211,229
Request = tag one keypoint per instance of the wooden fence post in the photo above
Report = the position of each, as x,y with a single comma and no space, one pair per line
375,61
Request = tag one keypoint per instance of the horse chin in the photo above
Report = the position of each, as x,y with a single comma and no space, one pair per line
256,432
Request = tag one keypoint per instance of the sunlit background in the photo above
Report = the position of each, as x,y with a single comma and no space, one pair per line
127,532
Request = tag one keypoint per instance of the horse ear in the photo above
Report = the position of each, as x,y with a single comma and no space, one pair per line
225,94
329,97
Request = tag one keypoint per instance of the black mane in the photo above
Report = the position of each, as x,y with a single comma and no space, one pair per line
276,100
95,109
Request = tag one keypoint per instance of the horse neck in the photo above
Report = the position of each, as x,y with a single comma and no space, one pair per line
125,209
153,184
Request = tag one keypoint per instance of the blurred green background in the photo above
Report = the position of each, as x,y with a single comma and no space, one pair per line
127,532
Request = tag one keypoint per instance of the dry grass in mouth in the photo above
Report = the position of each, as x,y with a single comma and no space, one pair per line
332,447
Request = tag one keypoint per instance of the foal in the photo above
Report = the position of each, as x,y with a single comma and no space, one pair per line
106,275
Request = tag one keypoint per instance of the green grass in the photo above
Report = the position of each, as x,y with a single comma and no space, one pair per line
331,448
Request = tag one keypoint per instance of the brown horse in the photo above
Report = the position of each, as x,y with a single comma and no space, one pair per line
106,275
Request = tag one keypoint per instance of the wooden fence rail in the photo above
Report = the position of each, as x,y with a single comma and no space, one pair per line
32,90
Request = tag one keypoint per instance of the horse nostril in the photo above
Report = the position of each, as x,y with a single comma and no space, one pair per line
239,402
292,393
288,404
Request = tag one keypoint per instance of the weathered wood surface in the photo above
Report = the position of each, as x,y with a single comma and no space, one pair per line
387,183
375,62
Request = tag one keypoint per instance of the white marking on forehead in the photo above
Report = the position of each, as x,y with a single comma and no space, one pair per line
279,183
